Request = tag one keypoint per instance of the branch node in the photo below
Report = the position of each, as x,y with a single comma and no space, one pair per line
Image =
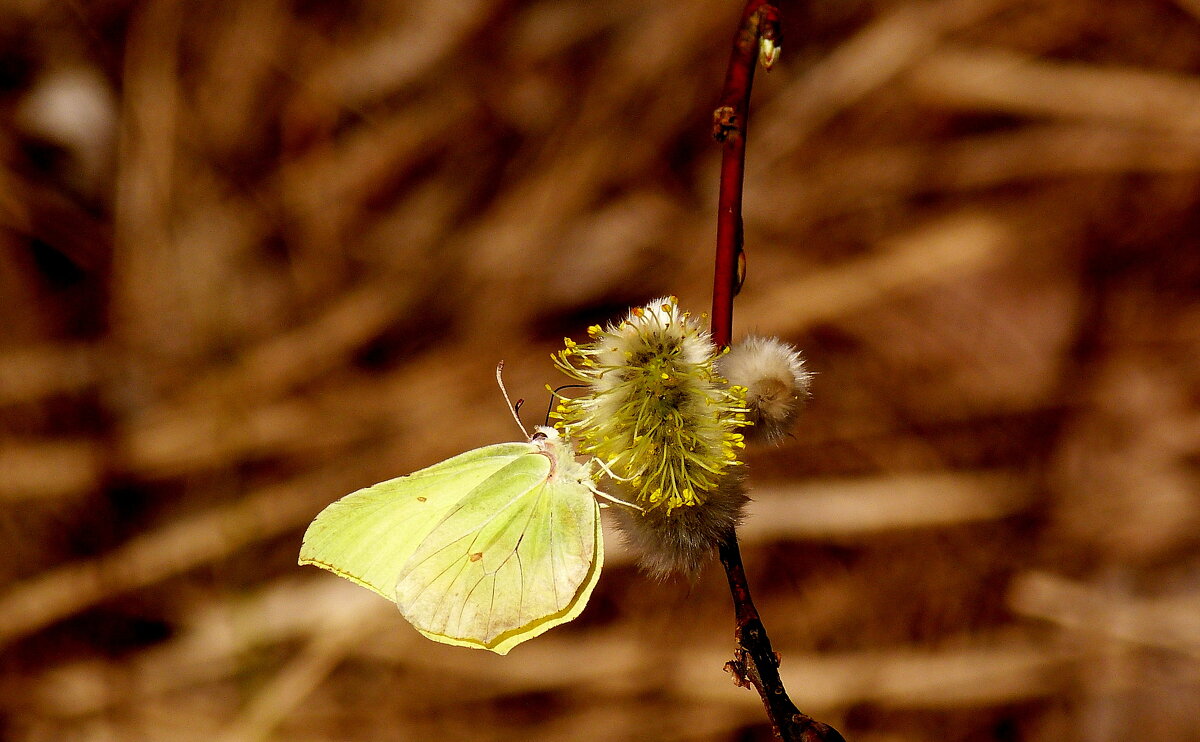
726,123
737,670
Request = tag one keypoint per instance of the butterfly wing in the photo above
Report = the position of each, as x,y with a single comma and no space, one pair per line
369,535
518,557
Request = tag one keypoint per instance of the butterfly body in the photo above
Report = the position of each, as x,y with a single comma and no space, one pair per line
487,549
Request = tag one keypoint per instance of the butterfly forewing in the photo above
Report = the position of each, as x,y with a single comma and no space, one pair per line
368,535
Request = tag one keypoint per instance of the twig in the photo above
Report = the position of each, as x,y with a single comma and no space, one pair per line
759,21
754,663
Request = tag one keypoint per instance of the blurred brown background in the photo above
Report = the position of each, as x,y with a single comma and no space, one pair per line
255,255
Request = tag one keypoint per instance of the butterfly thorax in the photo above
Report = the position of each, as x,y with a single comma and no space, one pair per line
563,465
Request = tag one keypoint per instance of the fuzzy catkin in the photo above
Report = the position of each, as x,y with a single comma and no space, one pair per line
776,383
655,410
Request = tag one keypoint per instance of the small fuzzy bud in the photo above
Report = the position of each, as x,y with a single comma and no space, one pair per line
776,381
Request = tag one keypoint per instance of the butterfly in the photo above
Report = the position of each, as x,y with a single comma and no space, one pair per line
486,549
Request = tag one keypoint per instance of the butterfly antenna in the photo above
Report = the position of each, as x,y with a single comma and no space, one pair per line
554,394
511,408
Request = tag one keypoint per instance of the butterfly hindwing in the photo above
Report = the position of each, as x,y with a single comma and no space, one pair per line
519,557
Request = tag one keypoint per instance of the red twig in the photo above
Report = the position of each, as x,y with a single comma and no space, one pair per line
755,663
759,21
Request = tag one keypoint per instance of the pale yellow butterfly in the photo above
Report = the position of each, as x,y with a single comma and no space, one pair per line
486,549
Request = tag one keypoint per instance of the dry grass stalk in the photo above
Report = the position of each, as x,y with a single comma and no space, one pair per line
1167,622
1001,81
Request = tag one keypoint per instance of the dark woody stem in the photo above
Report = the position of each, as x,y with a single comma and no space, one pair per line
755,663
